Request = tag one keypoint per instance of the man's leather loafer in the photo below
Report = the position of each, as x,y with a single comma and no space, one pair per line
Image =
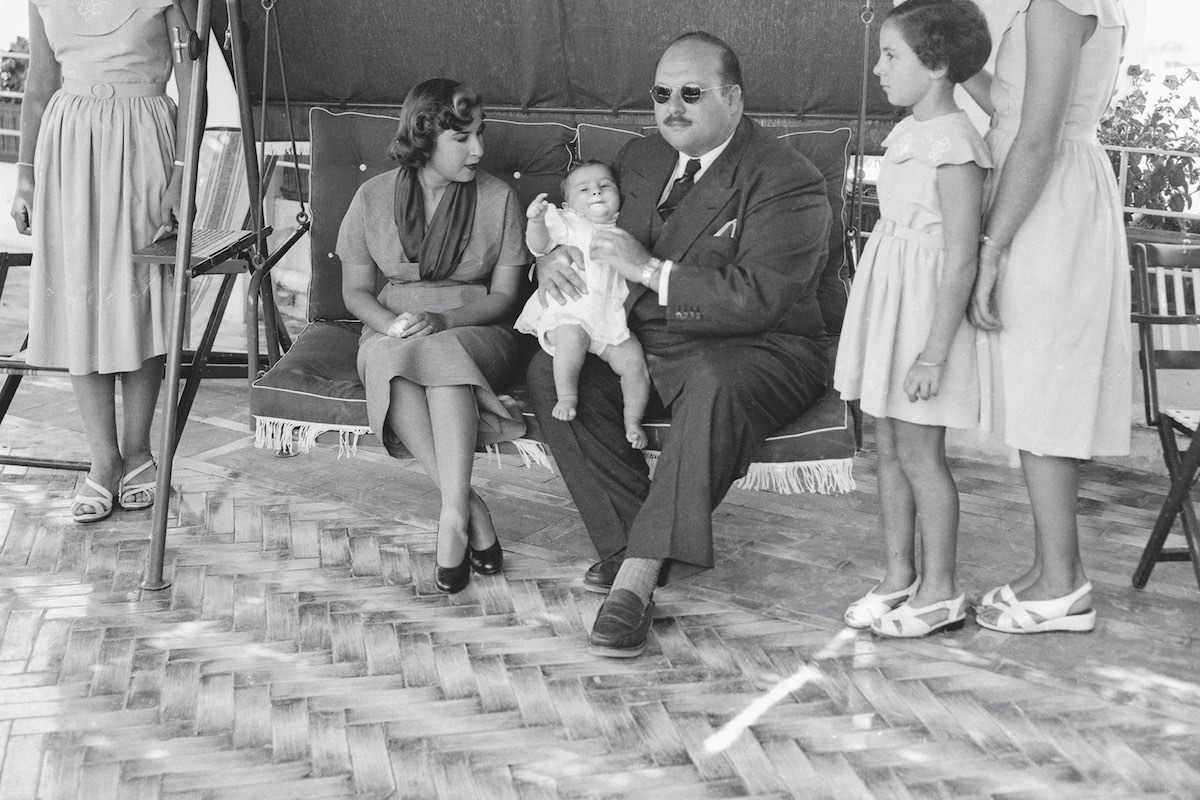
600,576
621,626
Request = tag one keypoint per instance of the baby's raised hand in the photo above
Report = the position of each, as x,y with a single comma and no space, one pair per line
537,209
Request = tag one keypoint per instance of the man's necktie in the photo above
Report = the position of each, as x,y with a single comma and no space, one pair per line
683,185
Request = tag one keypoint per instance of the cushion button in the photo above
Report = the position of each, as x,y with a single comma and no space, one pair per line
517,176
362,167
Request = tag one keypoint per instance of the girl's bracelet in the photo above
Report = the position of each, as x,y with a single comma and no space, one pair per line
987,241
24,164
923,363
178,163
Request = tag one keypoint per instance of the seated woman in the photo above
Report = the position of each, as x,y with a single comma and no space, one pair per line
437,339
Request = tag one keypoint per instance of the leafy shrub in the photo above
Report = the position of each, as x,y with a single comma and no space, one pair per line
1156,180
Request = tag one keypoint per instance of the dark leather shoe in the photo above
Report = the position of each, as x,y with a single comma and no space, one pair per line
621,626
600,576
487,561
453,579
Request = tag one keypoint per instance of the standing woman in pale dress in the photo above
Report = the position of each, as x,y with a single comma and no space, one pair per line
1053,289
97,178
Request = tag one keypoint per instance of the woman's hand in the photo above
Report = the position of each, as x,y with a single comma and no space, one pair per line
22,207
923,381
420,323
537,209
984,313
169,207
619,251
560,275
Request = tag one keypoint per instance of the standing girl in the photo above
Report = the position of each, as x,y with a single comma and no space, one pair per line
97,178
907,352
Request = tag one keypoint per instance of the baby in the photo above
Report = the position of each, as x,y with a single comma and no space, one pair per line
595,322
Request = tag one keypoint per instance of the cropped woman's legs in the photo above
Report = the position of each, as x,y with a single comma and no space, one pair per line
571,344
95,394
1053,485
139,399
444,444
897,511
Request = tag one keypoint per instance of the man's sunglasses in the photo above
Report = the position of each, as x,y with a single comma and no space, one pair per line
691,93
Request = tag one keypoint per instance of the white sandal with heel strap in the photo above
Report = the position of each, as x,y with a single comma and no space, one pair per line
863,612
127,491
905,621
102,502
1038,616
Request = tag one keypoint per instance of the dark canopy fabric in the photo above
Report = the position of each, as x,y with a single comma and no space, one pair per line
799,57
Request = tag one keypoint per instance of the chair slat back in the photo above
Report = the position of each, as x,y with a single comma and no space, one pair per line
1176,293
1167,313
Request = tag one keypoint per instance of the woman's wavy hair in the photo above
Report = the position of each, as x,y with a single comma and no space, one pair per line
945,33
432,106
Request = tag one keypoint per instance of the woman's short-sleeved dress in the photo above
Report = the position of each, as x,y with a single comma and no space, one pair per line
102,165
1060,367
485,357
892,301
600,312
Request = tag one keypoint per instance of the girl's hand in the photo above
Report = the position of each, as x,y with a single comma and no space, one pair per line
923,382
169,208
421,323
537,209
22,207
983,312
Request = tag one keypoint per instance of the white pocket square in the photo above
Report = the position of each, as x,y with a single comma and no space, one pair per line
729,229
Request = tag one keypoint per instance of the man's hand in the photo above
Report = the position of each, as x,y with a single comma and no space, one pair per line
22,207
420,323
618,250
560,275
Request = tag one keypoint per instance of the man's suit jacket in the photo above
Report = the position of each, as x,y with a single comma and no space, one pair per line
748,240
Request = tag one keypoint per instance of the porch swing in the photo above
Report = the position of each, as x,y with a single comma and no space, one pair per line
312,394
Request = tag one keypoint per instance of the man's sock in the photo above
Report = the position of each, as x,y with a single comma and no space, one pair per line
640,576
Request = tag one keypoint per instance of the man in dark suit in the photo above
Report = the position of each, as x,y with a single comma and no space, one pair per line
722,233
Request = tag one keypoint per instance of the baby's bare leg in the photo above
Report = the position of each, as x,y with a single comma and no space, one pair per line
571,344
628,361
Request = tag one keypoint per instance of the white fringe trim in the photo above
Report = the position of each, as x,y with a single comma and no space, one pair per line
531,452
289,436
831,476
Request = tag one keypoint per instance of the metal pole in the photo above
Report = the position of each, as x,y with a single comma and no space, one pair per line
241,80
153,579
867,15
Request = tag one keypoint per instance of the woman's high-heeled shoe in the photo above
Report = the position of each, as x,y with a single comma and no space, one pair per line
487,561
453,579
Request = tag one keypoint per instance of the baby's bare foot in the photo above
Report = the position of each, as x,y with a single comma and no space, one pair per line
635,434
564,409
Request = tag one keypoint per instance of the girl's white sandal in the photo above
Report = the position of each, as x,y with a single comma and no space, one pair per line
863,612
1010,615
991,596
92,507
905,622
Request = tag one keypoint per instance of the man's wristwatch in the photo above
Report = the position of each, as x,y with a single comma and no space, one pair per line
650,271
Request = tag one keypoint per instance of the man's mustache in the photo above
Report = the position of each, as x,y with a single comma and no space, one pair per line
674,118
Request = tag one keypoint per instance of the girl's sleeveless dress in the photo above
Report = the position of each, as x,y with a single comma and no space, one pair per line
894,293
102,165
600,312
1060,368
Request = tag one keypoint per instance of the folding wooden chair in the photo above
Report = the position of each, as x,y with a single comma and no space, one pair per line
218,247
1167,313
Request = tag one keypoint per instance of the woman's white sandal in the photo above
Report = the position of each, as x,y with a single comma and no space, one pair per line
871,606
905,621
102,501
127,491
1038,616
991,595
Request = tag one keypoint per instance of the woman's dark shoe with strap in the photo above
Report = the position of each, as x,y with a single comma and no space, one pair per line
621,626
487,561
454,579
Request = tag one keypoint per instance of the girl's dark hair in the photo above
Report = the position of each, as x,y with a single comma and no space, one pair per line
945,33
432,106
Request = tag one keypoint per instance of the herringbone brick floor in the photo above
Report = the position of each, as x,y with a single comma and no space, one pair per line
302,650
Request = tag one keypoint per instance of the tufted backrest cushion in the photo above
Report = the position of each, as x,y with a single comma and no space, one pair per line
350,147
